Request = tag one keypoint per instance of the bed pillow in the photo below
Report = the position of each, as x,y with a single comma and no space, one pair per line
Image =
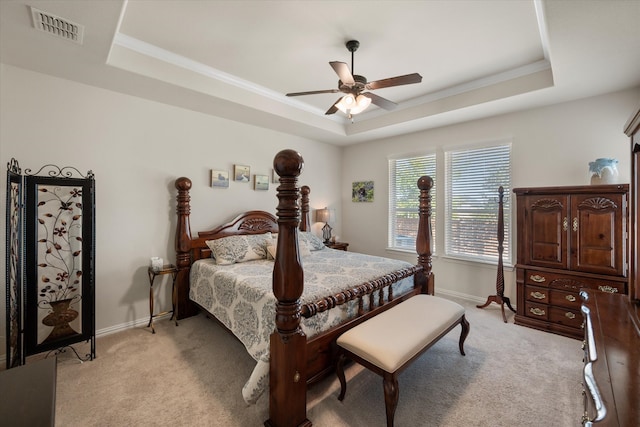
314,242
233,249
273,244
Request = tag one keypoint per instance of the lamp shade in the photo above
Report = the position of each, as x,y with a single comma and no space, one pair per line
322,215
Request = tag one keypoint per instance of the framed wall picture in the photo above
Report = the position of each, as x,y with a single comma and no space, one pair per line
275,179
219,178
241,173
260,182
362,191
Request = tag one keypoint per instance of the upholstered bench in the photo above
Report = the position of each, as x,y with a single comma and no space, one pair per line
388,343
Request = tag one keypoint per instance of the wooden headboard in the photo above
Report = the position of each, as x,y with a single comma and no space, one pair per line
252,222
190,249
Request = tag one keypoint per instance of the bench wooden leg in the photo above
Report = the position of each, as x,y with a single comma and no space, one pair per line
463,335
340,373
391,393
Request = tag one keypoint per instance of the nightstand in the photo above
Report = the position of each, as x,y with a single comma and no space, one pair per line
342,246
166,269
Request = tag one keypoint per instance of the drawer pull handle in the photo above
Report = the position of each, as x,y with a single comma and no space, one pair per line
570,298
570,315
607,288
565,224
538,295
537,311
575,224
537,278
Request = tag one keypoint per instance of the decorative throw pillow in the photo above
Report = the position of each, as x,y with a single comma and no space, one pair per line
273,244
304,249
271,249
233,249
314,242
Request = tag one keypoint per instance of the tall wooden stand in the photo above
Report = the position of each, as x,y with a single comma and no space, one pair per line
499,298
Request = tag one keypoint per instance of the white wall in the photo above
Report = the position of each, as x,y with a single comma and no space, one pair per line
552,146
136,149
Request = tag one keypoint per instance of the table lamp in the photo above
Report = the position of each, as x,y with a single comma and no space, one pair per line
324,215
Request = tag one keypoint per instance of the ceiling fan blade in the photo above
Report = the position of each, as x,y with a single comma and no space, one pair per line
395,81
380,101
333,108
313,92
342,70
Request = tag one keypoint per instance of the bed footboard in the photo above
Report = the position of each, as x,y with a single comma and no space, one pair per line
294,360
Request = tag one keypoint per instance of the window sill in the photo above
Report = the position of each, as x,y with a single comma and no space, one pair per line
473,261
452,259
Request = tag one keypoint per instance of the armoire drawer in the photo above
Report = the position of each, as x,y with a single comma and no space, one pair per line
566,317
565,299
537,294
571,283
537,311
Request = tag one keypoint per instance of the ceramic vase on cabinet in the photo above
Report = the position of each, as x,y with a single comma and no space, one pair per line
603,171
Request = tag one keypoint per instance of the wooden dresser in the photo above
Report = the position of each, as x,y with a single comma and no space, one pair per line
569,238
611,377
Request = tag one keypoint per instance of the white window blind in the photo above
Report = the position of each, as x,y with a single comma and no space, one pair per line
404,199
473,177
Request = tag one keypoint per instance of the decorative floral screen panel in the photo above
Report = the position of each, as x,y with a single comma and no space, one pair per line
59,248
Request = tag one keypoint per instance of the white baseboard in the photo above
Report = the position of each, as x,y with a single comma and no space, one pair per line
128,325
467,297
454,294
105,331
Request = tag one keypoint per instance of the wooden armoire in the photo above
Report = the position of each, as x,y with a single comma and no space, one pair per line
569,238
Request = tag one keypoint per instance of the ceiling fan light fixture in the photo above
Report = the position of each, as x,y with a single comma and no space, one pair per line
346,103
350,104
362,103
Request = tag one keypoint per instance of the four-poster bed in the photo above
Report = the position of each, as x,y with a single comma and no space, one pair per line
306,311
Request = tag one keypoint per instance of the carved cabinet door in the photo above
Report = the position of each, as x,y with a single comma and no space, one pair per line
546,230
598,228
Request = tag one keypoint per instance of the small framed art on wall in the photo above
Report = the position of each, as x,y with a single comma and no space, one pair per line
242,173
219,178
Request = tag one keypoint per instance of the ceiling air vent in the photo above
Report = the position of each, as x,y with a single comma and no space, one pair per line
57,26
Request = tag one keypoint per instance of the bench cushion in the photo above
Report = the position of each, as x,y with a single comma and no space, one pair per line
392,338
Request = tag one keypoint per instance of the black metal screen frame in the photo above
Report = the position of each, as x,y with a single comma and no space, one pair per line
14,258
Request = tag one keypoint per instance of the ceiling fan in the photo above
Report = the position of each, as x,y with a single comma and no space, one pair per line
353,85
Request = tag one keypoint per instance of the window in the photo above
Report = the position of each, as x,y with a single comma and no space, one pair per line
473,177
404,198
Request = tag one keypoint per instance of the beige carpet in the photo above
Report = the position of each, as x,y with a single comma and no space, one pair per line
191,375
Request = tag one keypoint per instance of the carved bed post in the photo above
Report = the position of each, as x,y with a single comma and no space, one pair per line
183,247
305,225
423,240
288,365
